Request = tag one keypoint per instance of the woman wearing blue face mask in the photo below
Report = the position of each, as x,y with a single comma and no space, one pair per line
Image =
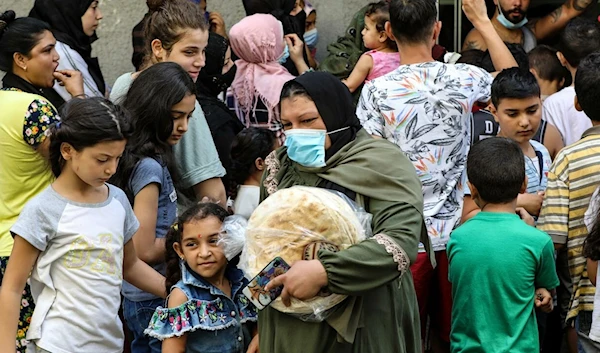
311,34
326,147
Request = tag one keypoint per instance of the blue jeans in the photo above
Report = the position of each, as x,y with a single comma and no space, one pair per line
583,323
137,317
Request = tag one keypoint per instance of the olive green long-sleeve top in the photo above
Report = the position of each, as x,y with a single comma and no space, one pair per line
381,312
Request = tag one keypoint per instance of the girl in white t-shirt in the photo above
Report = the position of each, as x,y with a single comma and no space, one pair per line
249,150
74,239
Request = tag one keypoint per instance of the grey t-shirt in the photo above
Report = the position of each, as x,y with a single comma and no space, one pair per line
150,171
76,281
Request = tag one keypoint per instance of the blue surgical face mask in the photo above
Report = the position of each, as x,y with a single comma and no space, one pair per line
307,146
286,51
311,38
285,55
507,23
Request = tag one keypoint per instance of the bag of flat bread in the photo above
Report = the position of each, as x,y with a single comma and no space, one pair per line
296,223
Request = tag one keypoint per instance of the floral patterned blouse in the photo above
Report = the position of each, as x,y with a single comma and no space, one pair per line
40,115
38,118
425,109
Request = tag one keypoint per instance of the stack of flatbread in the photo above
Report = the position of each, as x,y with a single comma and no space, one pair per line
294,224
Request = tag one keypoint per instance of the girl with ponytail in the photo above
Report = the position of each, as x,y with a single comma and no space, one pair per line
74,238
176,31
206,310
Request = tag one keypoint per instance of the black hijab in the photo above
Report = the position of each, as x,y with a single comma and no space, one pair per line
335,105
64,16
280,9
211,80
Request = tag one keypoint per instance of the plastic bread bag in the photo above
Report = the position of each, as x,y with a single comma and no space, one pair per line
364,217
295,224
233,236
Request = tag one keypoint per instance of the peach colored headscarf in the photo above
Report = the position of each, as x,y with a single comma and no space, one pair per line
258,41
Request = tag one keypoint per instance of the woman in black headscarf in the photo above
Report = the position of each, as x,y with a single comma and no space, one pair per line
74,24
214,78
294,22
381,312
281,10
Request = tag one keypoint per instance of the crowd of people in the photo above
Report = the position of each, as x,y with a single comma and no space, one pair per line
480,170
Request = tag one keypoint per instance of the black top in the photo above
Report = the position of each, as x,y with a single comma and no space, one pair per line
224,126
280,9
11,80
223,123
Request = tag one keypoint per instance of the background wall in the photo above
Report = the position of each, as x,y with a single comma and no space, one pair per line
114,47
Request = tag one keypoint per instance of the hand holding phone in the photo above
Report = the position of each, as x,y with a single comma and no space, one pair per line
304,280
255,290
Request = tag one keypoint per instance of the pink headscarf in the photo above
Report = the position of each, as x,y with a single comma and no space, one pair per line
258,41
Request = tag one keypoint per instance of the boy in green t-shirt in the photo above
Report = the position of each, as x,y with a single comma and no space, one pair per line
497,260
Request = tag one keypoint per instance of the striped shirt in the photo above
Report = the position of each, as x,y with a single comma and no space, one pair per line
572,180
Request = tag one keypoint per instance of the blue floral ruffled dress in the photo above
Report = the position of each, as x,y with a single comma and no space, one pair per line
212,321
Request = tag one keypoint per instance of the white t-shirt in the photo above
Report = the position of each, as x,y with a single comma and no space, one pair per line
76,281
72,60
425,109
590,218
246,201
559,110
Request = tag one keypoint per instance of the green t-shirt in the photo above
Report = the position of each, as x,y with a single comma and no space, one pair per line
496,263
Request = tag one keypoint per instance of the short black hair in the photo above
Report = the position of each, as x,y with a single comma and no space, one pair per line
579,39
514,83
544,61
472,57
587,85
496,167
412,21
247,146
